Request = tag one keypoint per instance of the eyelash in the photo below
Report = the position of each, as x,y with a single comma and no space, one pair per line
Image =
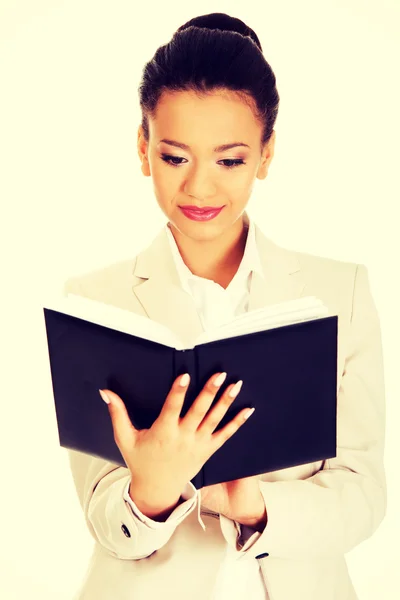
237,161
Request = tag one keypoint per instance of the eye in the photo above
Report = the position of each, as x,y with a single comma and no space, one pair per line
235,162
168,159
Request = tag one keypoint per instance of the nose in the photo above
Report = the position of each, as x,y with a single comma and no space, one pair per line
199,184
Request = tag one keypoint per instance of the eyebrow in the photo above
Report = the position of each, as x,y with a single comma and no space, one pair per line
221,148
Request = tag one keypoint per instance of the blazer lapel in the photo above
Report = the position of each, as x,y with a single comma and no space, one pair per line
161,294
282,279
166,302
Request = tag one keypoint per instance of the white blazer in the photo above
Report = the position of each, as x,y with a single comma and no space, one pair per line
316,512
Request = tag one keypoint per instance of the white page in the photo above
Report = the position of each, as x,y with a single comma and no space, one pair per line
268,317
114,317
262,324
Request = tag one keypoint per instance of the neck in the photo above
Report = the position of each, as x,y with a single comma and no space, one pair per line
217,259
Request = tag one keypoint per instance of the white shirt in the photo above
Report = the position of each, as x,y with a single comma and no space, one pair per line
216,305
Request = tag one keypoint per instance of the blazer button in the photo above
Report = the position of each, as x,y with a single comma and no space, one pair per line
262,555
125,530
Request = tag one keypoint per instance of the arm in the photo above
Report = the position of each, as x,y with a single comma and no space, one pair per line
343,504
155,514
111,516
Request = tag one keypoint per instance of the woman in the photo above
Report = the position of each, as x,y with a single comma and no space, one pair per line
209,104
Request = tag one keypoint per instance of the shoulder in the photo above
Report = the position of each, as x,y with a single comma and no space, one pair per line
326,268
336,282
115,280
313,266
343,286
110,283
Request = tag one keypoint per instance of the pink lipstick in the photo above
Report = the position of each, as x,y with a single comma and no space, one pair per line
200,214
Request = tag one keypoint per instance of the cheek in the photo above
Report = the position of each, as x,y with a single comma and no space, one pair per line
240,186
165,183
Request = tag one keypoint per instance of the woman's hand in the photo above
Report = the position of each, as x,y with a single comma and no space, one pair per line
164,458
240,500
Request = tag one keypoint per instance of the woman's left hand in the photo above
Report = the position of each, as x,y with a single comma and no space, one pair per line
240,500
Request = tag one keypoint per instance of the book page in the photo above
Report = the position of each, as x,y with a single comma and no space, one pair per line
267,317
262,322
114,317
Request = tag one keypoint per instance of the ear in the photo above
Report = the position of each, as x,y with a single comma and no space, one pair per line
142,147
267,156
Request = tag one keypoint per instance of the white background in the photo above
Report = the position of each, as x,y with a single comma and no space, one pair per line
73,198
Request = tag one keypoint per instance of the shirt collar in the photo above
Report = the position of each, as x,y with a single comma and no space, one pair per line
250,261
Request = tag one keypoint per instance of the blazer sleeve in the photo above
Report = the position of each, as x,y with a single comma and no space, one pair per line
344,502
110,517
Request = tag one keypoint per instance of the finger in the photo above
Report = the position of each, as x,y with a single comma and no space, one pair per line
215,415
173,404
124,431
231,428
201,405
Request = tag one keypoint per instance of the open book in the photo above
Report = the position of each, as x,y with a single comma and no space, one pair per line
286,355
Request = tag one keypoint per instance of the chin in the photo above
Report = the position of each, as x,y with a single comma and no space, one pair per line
198,231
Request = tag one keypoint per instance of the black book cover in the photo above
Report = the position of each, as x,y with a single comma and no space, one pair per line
289,375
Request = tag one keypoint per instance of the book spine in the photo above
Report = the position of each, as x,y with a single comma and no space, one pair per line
184,361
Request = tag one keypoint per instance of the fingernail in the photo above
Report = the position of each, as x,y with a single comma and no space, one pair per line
184,380
236,389
105,397
249,413
219,380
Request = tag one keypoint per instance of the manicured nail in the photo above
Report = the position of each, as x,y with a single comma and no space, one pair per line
105,397
219,380
249,413
236,389
184,380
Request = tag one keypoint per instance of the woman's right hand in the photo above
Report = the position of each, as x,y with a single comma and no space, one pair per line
165,457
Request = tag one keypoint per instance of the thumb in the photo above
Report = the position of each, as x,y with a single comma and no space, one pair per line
124,431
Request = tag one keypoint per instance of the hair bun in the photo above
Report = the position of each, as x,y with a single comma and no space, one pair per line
223,22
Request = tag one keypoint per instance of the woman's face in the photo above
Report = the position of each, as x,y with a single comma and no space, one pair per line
198,174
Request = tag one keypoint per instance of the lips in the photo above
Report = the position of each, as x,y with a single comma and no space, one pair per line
201,214
202,209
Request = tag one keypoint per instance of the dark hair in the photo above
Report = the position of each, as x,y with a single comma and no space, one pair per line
212,52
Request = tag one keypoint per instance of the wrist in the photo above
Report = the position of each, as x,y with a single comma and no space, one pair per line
258,522
153,506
